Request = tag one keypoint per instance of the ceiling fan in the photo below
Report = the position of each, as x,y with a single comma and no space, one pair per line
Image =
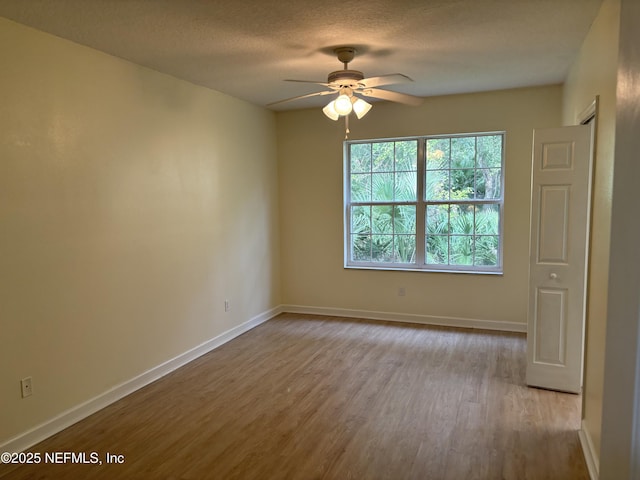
351,85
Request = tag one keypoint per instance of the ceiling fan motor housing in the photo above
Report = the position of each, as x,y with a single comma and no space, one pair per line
345,78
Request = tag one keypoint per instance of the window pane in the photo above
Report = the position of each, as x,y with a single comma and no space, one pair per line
381,218
361,220
437,187
489,151
438,153
461,219
463,152
382,248
488,183
407,155
382,156
462,184
437,221
487,219
360,187
461,250
361,248
405,248
382,187
487,250
406,186
404,219
437,250
361,158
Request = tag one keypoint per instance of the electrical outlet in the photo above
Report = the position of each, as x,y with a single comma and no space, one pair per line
402,292
227,306
27,389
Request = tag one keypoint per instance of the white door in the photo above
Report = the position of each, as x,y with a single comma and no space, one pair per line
560,206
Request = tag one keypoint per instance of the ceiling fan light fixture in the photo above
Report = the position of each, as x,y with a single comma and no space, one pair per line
330,111
343,105
360,107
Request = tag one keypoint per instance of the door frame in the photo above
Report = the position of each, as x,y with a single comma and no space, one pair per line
589,116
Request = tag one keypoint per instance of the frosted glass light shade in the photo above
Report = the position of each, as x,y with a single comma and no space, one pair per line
342,105
330,111
360,107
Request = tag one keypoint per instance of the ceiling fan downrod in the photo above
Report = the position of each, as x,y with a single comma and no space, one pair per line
345,77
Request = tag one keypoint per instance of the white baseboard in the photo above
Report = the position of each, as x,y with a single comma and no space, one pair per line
590,455
409,318
79,412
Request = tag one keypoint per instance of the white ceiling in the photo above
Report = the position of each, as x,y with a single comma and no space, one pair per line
247,48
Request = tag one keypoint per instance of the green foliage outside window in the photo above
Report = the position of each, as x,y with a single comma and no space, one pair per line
384,172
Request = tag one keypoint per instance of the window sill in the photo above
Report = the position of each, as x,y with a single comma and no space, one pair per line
424,270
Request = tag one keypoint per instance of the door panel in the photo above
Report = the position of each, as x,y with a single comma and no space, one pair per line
550,326
554,223
560,195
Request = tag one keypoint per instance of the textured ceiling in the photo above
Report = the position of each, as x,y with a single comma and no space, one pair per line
247,48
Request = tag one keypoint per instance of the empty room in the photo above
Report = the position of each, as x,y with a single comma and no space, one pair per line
262,239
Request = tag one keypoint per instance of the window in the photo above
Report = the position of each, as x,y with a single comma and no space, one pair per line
429,203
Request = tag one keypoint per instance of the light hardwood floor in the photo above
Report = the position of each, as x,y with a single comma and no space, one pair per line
310,397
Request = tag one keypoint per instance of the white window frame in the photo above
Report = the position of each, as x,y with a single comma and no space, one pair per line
421,206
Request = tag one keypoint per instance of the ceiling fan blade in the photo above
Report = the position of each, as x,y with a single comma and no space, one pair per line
324,84
299,97
392,96
392,78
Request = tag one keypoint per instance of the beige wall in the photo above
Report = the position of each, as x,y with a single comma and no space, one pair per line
620,446
131,205
594,73
310,162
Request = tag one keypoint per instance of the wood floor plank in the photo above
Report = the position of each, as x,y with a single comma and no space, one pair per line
311,397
